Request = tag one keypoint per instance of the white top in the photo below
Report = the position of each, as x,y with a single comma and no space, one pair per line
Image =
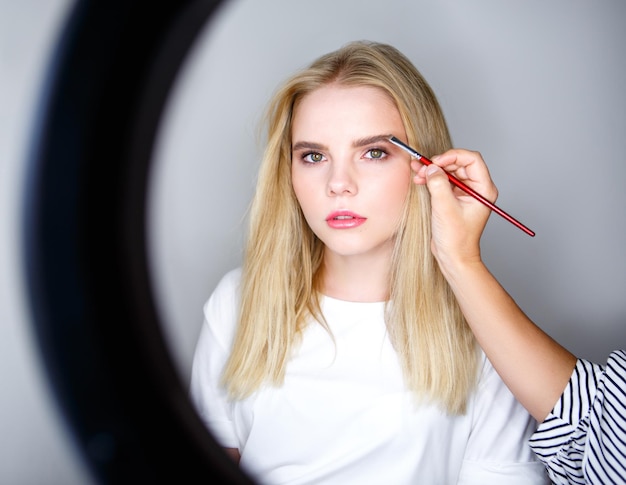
583,439
343,414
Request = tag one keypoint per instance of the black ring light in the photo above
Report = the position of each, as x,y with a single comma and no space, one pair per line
84,232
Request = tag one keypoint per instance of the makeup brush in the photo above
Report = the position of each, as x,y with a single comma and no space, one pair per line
422,159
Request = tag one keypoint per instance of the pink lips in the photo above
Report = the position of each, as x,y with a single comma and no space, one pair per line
344,220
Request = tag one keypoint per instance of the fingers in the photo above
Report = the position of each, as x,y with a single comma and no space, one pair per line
438,183
467,166
457,159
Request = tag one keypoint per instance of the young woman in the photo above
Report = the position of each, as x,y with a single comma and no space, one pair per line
338,353
581,405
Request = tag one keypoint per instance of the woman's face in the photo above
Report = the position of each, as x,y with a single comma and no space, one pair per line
350,181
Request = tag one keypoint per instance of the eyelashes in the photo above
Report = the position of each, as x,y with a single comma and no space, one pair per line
313,157
376,154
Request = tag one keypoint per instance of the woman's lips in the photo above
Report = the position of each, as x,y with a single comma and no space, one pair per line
344,220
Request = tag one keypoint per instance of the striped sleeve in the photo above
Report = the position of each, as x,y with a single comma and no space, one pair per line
583,439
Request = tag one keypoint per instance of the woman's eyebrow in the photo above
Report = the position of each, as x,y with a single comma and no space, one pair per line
308,145
361,142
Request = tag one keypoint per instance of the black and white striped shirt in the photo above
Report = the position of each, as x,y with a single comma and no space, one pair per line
583,439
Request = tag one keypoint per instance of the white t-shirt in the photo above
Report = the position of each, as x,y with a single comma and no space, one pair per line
343,414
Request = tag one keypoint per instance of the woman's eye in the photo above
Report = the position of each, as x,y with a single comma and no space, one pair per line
375,154
313,157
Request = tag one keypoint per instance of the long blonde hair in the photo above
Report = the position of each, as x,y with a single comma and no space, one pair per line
283,258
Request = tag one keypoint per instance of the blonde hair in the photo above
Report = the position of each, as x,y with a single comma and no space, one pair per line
283,258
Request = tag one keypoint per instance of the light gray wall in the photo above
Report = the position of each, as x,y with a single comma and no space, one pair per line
537,87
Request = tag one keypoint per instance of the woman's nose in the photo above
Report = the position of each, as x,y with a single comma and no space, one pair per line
341,179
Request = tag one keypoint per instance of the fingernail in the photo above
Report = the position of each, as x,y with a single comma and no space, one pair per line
432,169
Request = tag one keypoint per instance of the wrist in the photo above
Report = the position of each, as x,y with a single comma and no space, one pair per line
457,266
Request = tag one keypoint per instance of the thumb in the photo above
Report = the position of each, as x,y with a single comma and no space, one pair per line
438,184
444,207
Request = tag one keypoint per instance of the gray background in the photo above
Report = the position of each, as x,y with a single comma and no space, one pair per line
537,87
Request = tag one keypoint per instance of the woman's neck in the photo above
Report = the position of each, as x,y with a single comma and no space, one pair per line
356,278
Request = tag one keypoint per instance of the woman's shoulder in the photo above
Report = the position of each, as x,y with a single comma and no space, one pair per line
230,281
227,286
223,303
